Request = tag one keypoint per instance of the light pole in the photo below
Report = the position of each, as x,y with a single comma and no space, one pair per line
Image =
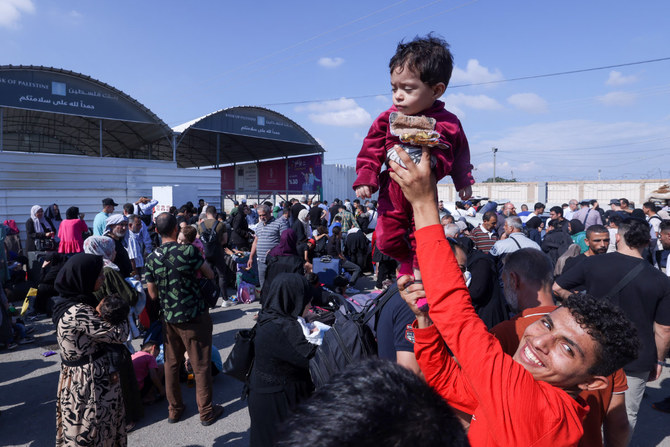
494,149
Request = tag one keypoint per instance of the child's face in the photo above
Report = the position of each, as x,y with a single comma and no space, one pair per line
181,239
410,94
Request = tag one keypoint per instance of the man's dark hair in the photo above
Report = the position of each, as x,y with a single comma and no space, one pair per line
533,266
615,218
488,215
72,213
165,224
539,206
557,210
635,233
337,219
553,223
609,327
373,403
595,229
624,202
185,209
664,226
336,230
114,309
429,56
129,208
649,205
173,210
211,210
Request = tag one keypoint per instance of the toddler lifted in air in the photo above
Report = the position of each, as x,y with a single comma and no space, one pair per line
420,73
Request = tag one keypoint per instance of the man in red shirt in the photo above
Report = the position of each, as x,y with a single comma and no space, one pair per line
525,400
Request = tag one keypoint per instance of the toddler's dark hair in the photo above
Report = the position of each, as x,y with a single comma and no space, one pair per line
114,309
189,233
429,56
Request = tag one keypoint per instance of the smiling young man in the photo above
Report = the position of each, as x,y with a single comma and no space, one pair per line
524,400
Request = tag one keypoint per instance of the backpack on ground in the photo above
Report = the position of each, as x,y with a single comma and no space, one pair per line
210,241
350,339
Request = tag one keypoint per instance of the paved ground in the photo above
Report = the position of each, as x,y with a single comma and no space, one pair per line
28,384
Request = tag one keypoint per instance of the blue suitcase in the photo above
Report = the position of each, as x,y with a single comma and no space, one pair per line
326,268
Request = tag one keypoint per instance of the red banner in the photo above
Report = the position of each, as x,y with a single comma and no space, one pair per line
228,179
272,175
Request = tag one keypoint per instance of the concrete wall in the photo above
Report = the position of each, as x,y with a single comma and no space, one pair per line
68,180
636,191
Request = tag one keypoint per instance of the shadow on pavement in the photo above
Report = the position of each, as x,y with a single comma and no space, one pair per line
233,439
18,369
32,416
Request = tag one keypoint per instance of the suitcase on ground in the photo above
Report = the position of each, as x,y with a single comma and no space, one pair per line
326,268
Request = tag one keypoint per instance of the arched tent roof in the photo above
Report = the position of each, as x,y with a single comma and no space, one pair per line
50,110
241,134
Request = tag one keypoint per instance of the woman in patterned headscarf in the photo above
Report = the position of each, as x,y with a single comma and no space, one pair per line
89,406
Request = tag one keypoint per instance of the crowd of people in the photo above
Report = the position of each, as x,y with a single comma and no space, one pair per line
516,267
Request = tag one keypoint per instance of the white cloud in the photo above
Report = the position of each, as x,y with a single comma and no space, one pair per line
474,74
478,102
342,112
383,99
12,10
528,102
617,78
618,99
331,62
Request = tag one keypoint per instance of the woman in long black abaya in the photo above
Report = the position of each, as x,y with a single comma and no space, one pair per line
280,375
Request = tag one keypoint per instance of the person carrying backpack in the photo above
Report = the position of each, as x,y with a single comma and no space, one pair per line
214,237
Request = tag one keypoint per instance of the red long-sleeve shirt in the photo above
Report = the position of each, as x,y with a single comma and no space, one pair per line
509,407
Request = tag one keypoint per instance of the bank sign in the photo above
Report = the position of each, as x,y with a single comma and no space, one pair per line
67,94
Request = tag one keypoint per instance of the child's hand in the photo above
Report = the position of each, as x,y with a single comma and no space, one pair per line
363,192
465,193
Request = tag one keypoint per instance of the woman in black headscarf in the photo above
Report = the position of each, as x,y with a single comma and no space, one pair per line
284,258
89,406
578,234
280,374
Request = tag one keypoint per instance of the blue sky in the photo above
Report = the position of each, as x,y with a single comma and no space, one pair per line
325,65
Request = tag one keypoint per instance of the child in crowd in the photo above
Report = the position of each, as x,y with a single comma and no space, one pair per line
149,374
189,235
420,73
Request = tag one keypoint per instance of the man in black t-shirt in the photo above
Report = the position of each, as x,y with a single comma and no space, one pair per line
597,239
645,299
